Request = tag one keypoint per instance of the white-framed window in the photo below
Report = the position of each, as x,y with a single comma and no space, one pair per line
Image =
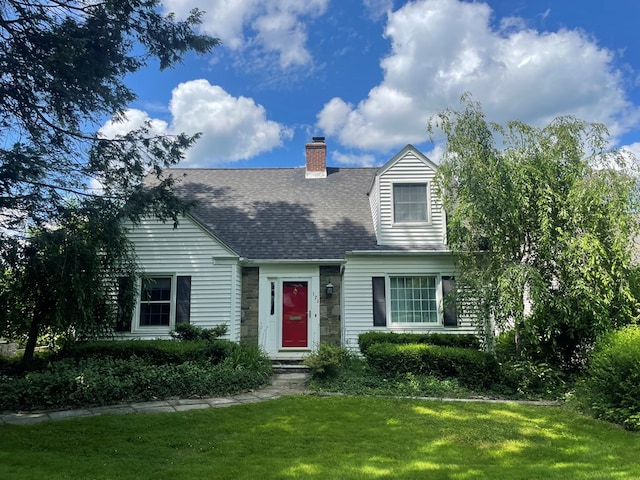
410,203
164,301
155,301
414,299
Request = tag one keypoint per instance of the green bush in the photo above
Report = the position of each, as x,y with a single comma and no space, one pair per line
95,381
158,352
326,360
365,340
472,368
528,378
189,332
610,389
248,356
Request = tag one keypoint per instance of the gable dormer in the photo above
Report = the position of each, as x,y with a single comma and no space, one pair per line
405,209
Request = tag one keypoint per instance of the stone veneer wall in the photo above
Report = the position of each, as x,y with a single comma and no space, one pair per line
249,310
330,331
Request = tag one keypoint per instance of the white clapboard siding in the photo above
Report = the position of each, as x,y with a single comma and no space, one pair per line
374,202
189,250
358,295
408,168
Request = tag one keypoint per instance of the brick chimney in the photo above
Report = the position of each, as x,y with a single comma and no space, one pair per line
316,153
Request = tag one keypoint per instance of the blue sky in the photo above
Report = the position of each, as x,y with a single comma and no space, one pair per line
367,74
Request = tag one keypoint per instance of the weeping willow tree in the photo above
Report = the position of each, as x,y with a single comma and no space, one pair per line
64,64
542,222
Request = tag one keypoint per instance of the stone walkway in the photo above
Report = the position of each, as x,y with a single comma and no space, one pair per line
281,385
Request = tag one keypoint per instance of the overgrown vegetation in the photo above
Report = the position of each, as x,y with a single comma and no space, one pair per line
64,65
327,360
610,388
107,372
541,224
402,367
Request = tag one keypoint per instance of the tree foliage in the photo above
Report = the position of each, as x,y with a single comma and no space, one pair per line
63,65
542,222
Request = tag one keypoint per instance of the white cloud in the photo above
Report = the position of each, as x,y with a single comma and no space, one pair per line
441,49
131,120
232,128
354,160
274,27
377,8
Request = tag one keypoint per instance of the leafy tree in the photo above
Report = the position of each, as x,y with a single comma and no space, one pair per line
64,280
541,222
63,65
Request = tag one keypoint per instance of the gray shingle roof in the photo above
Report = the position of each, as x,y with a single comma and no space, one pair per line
279,214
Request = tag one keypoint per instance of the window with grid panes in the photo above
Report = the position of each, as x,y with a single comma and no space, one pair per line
413,299
155,302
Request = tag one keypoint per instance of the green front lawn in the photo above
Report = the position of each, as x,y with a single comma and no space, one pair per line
326,438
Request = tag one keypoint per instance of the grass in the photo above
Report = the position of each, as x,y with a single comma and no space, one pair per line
326,438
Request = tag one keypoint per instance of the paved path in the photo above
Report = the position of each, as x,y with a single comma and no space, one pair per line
281,385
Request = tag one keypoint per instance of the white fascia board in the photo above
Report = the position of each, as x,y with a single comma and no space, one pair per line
397,252
314,261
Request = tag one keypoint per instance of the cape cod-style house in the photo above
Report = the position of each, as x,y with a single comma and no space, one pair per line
289,258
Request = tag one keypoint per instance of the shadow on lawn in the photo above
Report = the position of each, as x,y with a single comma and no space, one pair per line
454,441
305,437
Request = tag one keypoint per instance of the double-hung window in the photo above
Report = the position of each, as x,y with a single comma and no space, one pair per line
165,300
410,203
155,302
413,299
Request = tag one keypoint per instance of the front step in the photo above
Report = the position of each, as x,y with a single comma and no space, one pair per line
290,380
289,366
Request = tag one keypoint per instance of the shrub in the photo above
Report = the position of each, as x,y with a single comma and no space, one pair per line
610,389
365,340
189,332
154,351
248,356
527,378
326,360
472,368
98,381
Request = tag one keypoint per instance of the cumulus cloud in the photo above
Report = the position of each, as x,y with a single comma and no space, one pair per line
232,128
441,49
131,120
273,27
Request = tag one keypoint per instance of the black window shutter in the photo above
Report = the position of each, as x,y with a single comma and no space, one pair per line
125,304
379,302
183,300
450,310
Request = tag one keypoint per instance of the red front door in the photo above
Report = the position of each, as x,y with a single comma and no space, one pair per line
294,314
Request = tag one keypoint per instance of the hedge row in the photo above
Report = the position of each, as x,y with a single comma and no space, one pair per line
367,339
157,352
472,368
102,381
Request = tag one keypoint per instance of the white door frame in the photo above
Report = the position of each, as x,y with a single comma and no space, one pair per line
270,308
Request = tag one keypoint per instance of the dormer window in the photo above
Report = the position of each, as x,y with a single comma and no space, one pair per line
410,203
